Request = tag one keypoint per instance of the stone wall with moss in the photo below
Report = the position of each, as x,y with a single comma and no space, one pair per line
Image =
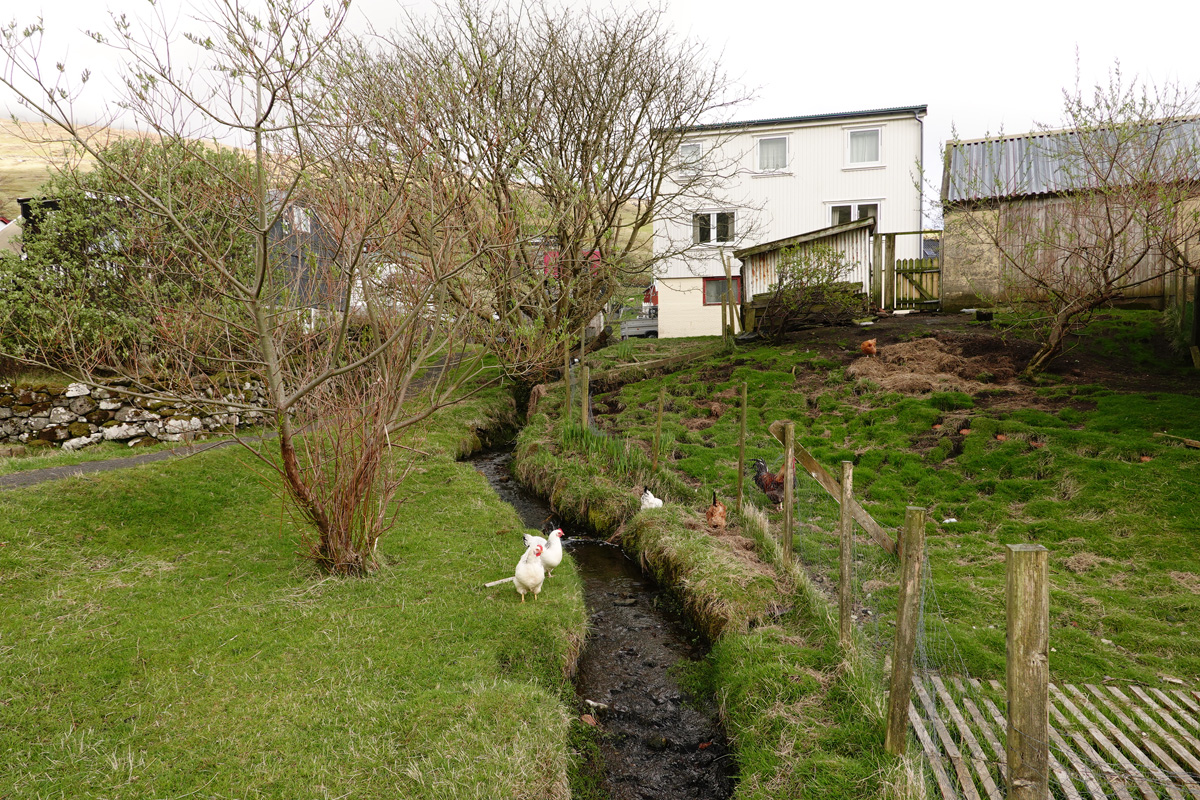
79,415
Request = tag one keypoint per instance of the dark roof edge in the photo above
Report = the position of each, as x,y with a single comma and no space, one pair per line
762,123
791,241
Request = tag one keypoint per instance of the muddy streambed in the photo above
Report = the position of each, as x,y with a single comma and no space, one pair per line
657,741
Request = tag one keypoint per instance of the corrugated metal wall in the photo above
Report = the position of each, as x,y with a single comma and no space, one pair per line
759,271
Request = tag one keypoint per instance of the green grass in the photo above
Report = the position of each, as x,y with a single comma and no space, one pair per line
162,636
1075,468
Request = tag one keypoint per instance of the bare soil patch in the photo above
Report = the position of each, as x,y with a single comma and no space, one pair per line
932,364
960,336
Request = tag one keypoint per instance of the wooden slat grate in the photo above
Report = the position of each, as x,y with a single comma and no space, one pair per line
1125,742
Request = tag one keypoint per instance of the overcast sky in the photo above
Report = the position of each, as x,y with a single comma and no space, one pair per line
979,67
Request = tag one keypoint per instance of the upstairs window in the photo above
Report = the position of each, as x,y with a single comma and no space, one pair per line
712,227
690,157
772,154
863,148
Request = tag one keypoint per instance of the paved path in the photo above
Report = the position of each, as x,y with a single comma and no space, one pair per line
30,477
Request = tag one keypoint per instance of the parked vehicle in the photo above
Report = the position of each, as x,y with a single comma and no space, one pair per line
640,327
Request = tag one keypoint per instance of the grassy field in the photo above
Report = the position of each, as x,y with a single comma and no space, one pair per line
1072,465
161,637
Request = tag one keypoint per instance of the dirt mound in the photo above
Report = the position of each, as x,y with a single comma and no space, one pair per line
928,365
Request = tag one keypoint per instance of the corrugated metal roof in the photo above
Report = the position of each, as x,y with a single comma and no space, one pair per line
757,123
1051,162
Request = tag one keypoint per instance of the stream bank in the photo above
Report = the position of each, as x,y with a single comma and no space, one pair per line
656,741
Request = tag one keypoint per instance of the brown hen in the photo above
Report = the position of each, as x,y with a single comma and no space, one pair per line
716,513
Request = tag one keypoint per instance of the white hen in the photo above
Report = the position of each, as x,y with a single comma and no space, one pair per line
529,574
649,500
552,552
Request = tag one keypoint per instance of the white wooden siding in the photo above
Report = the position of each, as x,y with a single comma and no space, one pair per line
777,205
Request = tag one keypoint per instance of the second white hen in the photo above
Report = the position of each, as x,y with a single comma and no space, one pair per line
552,551
530,574
649,500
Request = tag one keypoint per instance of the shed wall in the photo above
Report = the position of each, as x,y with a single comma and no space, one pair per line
761,270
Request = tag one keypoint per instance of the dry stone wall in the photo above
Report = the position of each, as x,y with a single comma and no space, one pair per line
80,415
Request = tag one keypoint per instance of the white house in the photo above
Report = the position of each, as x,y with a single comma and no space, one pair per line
777,178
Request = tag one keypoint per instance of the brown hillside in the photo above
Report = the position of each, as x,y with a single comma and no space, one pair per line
28,150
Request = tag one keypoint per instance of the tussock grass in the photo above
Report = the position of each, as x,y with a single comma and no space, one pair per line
161,636
721,592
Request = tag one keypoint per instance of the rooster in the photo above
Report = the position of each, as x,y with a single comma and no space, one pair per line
529,574
771,484
716,513
552,551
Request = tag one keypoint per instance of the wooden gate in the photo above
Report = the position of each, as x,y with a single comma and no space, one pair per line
918,283
905,283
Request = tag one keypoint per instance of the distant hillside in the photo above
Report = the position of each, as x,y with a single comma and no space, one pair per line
28,150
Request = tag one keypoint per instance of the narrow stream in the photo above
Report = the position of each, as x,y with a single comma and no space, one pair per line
657,741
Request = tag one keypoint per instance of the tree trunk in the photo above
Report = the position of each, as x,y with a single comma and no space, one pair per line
1052,345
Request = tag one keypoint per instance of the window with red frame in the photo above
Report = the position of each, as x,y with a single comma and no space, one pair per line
714,288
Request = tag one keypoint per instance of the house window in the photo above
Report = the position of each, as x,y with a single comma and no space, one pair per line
712,227
301,219
849,212
690,156
862,148
772,154
714,291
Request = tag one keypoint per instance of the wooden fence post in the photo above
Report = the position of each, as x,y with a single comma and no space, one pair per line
907,617
724,317
846,539
730,295
742,448
658,429
789,480
1028,672
567,376
584,391
877,269
889,275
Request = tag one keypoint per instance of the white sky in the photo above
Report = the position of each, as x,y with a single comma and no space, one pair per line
979,67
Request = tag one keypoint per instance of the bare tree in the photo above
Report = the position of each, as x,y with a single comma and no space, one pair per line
1080,215
564,126
292,266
